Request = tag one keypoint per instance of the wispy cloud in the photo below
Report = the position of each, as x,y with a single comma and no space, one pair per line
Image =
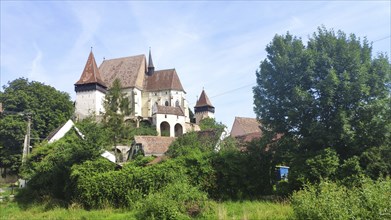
36,70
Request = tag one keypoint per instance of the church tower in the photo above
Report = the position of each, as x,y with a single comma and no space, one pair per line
203,108
90,90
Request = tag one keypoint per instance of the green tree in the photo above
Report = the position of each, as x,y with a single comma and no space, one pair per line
328,93
117,106
49,165
49,107
211,123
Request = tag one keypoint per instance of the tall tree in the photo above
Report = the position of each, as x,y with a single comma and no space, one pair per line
117,106
48,106
328,93
211,124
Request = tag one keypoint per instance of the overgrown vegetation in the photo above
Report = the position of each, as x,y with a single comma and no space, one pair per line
224,210
329,200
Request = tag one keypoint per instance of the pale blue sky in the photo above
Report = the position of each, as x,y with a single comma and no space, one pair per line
215,45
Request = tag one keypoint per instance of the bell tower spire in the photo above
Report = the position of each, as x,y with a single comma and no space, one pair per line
90,90
151,68
203,108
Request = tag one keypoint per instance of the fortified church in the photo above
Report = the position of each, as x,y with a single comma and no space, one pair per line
156,96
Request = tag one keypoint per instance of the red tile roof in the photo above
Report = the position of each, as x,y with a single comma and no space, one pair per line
170,110
90,73
154,145
132,72
163,80
243,126
203,100
129,70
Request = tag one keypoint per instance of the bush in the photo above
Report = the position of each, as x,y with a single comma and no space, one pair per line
330,200
199,169
282,188
125,187
242,175
179,200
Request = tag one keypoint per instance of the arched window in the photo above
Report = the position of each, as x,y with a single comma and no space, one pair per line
177,103
166,103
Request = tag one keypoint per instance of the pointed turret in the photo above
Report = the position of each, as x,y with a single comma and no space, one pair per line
151,68
203,108
90,91
204,101
90,77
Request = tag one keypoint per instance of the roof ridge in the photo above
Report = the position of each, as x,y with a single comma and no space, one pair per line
118,58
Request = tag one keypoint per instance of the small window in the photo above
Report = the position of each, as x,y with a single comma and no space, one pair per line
165,116
166,103
177,103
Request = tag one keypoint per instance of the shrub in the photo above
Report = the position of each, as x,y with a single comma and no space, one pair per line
179,200
241,175
282,188
330,200
199,169
125,187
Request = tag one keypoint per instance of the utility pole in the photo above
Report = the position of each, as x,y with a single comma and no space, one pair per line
26,147
27,138
28,132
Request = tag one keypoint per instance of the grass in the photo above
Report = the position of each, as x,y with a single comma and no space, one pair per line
11,210
251,210
226,210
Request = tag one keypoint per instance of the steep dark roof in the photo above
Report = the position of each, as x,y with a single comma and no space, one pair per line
154,145
150,63
90,73
170,110
203,100
129,70
163,80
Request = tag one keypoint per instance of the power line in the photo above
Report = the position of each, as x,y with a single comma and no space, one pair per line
233,90
253,84
229,91
381,39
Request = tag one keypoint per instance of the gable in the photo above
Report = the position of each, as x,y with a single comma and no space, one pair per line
243,126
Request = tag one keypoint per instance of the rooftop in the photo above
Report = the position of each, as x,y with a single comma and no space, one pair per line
154,145
203,100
